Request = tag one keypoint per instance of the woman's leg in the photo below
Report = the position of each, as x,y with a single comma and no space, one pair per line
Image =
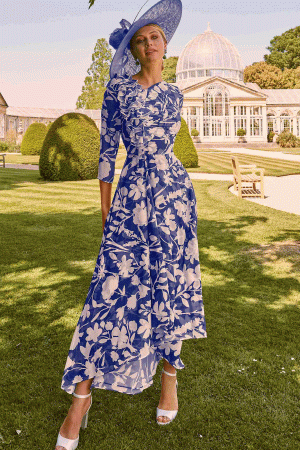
71,425
168,398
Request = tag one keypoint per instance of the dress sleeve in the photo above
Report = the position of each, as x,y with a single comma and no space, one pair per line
111,125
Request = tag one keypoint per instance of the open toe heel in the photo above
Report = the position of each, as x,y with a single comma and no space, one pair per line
72,444
171,414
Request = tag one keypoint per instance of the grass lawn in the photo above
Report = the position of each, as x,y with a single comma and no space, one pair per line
210,161
220,162
240,386
21,159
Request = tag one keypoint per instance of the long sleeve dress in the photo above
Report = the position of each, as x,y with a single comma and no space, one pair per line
145,296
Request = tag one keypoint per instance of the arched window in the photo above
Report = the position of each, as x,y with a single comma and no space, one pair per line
216,111
286,122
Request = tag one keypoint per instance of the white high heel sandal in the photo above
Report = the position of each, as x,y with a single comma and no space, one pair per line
71,444
171,414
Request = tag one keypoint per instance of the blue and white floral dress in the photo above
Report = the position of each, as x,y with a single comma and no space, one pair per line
145,295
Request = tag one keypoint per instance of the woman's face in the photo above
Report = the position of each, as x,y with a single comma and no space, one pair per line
148,45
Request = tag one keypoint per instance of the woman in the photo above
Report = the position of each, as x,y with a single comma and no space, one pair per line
145,295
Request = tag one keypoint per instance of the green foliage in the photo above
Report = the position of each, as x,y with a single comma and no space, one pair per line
285,50
33,139
4,147
268,76
71,149
194,132
270,136
169,72
265,75
184,148
95,84
287,140
241,132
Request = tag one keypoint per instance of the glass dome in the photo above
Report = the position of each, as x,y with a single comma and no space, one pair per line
207,55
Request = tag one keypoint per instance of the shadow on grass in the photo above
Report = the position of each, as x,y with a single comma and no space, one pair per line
226,399
14,178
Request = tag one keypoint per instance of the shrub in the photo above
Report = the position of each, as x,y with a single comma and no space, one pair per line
184,148
194,132
241,132
33,139
8,147
271,134
287,139
71,149
4,147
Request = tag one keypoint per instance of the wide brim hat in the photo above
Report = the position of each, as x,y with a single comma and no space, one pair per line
165,13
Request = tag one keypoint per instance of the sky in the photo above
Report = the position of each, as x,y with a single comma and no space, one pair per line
46,46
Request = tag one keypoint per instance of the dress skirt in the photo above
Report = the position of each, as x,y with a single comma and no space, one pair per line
145,296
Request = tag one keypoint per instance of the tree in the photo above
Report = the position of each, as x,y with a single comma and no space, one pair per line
169,72
265,75
291,78
285,50
95,84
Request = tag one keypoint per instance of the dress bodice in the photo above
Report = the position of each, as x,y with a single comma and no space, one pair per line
147,119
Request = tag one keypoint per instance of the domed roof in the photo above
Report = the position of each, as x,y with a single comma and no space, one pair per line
206,55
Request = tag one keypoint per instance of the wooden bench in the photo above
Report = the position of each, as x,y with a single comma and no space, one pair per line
245,178
2,159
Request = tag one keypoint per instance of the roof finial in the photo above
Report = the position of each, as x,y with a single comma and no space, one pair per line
208,27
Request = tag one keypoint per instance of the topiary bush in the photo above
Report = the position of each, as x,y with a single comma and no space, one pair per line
194,132
71,149
270,136
287,139
241,132
184,148
33,139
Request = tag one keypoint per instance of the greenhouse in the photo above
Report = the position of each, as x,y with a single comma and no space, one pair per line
217,102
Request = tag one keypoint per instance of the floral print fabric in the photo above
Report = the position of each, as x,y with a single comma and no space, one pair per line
145,296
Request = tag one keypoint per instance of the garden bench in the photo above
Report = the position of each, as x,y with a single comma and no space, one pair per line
245,178
2,159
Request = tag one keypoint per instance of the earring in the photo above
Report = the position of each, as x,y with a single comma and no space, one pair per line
137,62
164,57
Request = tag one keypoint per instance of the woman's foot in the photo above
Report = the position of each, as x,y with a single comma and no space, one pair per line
71,425
168,398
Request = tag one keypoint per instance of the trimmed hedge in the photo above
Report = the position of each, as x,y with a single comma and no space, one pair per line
33,139
71,149
184,148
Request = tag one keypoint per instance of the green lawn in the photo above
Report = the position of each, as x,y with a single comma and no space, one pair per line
240,386
21,159
220,162
210,161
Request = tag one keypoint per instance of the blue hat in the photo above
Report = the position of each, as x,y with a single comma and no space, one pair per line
166,14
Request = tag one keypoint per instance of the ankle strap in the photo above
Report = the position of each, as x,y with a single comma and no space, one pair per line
82,396
168,373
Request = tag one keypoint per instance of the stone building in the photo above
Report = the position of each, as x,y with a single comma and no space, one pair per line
18,119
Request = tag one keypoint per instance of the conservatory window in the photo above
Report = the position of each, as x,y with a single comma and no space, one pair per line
256,121
271,122
200,73
239,122
239,110
298,123
286,123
